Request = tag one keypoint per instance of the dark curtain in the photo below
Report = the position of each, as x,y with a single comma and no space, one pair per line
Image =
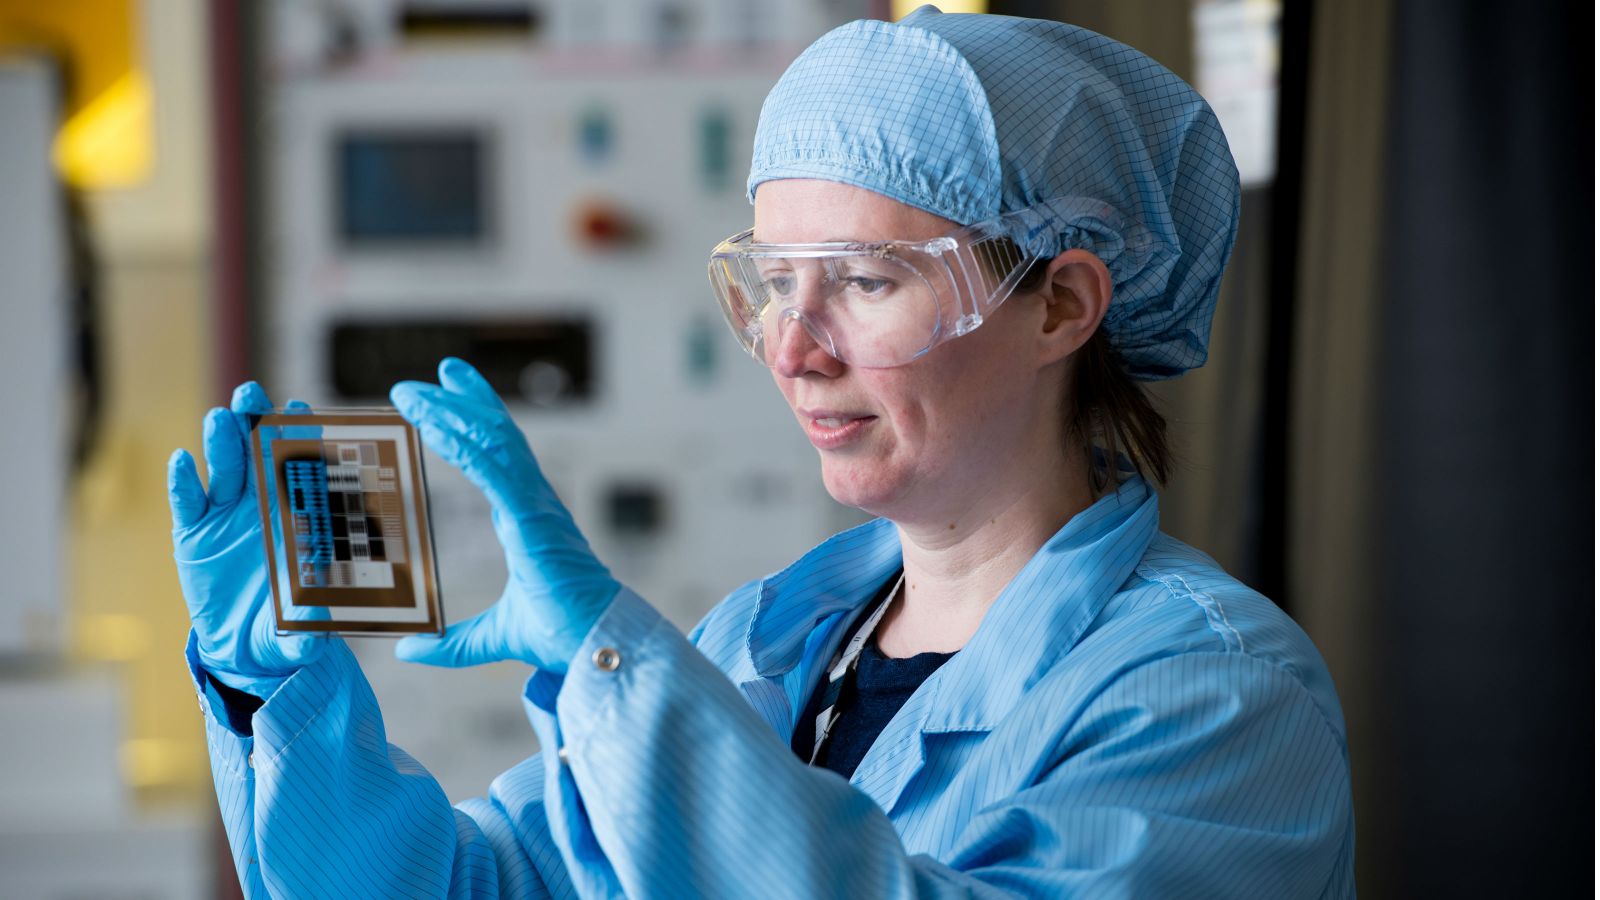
1436,450
1484,464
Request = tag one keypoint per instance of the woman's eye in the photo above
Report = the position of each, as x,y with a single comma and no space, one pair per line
781,285
870,286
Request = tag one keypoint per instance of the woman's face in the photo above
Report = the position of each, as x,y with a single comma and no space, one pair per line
929,440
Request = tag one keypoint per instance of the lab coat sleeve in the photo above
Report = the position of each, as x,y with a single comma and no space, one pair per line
1170,785
317,803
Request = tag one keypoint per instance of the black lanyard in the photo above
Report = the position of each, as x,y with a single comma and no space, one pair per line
844,666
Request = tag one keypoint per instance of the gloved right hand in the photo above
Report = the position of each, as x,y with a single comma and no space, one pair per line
556,589
222,569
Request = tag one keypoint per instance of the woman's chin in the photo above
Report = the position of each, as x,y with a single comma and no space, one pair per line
869,492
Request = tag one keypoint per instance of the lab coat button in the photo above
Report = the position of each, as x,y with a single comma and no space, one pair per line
607,659
561,754
250,759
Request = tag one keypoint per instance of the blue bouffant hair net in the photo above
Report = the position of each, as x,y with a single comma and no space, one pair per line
974,116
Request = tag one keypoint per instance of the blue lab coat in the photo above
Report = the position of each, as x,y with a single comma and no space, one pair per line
1128,721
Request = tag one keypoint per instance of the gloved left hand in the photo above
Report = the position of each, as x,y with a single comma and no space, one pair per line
222,568
556,589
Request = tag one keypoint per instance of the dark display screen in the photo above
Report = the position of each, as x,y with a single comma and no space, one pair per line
411,187
542,362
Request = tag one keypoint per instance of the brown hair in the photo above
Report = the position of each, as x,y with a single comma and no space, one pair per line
1106,409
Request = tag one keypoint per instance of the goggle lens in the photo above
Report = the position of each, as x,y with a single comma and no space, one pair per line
867,309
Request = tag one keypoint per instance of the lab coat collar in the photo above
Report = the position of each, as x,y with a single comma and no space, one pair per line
840,574
1039,617
1034,621
1045,609
1075,572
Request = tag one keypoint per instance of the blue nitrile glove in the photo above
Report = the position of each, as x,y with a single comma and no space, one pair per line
216,540
556,589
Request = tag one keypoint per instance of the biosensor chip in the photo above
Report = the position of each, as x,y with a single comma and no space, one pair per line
344,514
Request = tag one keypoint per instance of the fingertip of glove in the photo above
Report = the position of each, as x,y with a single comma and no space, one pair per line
459,377
184,494
414,399
250,398
404,394
453,365
178,461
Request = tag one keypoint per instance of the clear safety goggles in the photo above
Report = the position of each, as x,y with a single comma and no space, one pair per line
875,305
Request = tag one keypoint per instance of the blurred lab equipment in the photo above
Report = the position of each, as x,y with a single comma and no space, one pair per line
533,187
34,362
64,741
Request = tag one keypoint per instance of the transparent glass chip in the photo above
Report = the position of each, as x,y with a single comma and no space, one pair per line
344,512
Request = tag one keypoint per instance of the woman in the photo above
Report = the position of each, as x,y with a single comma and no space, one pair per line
971,234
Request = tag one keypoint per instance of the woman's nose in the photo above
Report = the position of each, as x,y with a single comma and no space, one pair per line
795,351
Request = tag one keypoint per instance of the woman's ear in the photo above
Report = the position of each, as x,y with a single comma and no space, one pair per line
1077,292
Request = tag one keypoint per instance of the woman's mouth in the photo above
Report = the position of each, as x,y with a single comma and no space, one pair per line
832,430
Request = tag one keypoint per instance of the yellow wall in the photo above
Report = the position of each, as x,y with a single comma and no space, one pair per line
899,9
97,35
126,606
106,139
